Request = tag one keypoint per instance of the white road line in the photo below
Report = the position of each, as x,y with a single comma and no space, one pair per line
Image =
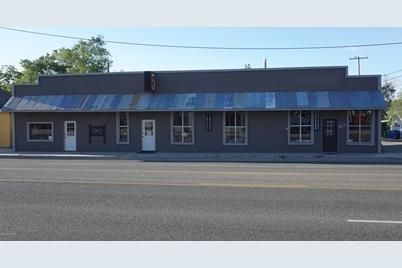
196,184
375,221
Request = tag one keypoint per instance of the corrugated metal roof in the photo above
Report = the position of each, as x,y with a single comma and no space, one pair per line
278,100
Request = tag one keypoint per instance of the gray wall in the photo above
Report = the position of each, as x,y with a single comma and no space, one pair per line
254,80
267,132
4,96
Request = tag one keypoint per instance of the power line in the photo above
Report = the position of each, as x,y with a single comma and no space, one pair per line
392,78
394,72
395,77
205,47
396,83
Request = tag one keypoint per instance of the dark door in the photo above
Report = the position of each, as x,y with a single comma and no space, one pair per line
329,135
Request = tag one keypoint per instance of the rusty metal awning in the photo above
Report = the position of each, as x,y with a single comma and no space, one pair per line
274,100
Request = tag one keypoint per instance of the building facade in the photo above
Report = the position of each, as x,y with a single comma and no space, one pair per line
5,122
312,109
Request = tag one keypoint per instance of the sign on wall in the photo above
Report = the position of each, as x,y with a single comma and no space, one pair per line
97,131
149,81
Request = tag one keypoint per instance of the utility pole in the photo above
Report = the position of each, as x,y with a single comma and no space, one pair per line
358,58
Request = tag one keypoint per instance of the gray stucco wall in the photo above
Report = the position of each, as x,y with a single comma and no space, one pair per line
267,132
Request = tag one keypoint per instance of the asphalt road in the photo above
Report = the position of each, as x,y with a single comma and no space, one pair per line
131,200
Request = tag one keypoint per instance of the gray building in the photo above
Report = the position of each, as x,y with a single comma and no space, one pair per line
4,96
312,109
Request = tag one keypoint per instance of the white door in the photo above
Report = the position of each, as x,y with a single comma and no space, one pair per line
70,136
148,135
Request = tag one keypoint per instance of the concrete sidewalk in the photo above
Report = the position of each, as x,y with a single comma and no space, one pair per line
384,158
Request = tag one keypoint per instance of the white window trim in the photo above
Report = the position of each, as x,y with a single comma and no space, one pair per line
182,126
300,126
28,134
118,129
371,142
224,129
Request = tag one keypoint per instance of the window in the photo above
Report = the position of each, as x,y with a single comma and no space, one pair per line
360,127
300,127
183,128
40,131
235,128
122,128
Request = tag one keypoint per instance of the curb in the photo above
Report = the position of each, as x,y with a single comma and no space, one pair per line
273,158
69,157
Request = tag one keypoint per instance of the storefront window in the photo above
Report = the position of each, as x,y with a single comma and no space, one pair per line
122,128
300,127
360,127
183,126
41,132
235,129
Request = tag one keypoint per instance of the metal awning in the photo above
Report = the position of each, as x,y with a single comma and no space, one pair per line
250,101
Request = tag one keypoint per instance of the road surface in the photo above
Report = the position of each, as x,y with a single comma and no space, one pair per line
133,200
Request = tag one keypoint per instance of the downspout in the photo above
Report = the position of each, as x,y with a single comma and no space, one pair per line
379,149
379,132
13,123
13,131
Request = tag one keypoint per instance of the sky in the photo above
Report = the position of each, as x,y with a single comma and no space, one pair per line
381,60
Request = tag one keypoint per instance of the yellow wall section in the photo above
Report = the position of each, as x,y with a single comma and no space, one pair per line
5,130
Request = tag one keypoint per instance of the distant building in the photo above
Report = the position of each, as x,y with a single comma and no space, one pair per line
396,122
5,122
308,109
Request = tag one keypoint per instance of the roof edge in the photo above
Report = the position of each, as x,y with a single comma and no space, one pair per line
205,70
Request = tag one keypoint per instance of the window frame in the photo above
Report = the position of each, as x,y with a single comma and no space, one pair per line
33,140
300,126
172,126
118,127
235,126
359,143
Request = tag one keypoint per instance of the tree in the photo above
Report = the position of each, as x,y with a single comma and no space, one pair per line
399,95
84,57
8,76
388,90
394,108
47,64
394,105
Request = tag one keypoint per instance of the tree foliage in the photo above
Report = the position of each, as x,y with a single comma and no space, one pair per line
87,56
8,76
47,64
399,95
388,90
394,108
